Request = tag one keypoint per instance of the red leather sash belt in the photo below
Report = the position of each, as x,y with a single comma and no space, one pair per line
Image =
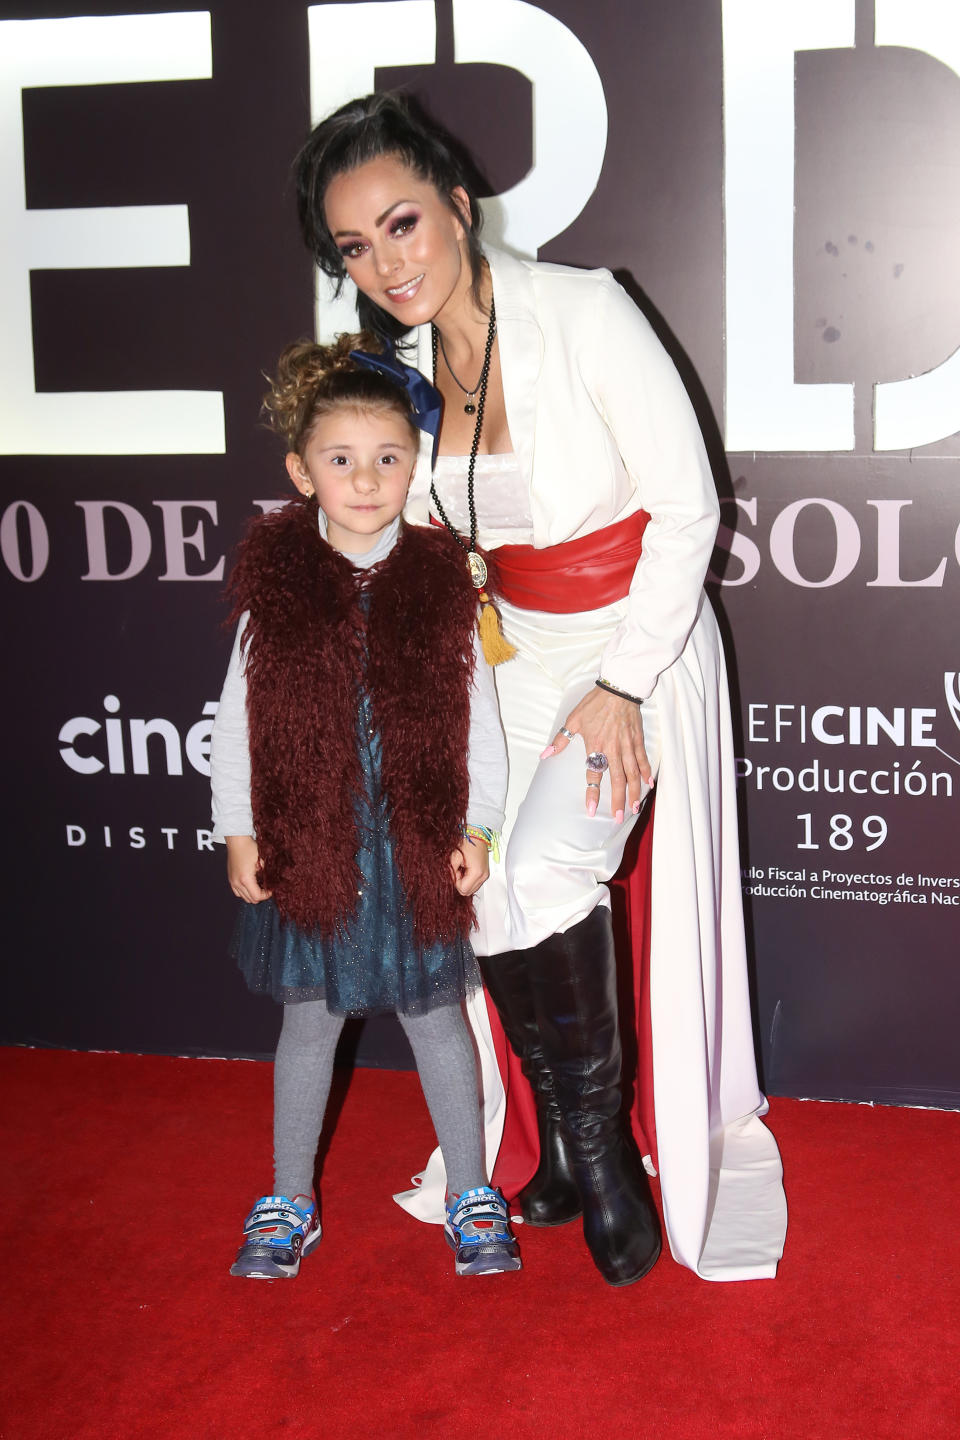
582,574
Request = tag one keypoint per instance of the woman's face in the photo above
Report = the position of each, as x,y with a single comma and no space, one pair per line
402,243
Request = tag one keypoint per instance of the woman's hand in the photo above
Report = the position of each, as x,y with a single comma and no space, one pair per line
613,726
470,865
243,869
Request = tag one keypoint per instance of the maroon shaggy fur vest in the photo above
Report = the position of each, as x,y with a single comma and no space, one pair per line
309,646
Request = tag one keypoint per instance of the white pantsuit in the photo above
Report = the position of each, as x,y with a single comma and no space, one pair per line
602,427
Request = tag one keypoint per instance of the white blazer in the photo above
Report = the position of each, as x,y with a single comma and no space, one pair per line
602,427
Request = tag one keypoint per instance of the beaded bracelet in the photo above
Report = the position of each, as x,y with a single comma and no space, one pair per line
613,690
489,837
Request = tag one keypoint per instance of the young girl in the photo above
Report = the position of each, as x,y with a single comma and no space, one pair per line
358,774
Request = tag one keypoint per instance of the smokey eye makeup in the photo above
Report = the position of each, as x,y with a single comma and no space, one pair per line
403,224
397,228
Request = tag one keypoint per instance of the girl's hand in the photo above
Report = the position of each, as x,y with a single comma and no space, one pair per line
613,726
243,869
470,865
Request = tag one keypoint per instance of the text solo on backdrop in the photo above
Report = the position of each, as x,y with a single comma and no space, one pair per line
777,185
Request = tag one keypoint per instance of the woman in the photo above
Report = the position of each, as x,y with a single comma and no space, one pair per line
565,431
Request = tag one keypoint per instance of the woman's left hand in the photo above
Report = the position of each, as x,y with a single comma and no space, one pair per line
613,726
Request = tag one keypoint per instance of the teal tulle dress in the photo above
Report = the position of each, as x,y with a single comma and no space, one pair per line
376,965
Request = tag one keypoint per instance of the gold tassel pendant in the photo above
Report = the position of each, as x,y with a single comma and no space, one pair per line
495,648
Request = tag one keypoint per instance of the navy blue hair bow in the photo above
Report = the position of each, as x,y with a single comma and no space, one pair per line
425,399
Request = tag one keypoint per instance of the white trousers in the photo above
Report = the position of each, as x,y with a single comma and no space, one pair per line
556,856
721,1179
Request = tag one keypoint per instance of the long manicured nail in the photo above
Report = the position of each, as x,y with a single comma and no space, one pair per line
636,807
591,807
619,817
550,750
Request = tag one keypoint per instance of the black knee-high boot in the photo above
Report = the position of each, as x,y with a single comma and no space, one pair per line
573,976
551,1197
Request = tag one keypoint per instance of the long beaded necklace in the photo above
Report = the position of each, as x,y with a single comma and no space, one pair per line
475,562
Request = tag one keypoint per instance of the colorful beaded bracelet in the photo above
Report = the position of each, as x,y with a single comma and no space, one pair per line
489,837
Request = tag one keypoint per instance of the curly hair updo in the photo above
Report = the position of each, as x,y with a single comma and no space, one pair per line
312,380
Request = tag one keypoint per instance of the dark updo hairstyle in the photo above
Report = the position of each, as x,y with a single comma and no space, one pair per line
366,129
313,380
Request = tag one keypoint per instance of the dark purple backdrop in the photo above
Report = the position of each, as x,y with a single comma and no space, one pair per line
124,946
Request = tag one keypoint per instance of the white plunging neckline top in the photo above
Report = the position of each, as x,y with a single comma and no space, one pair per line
504,515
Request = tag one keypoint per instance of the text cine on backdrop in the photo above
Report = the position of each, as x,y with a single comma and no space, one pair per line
776,183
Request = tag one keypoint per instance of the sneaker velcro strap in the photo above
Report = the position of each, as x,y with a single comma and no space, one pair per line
480,1217
275,1211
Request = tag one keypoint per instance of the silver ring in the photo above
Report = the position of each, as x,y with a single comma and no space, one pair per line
593,784
568,734
596,760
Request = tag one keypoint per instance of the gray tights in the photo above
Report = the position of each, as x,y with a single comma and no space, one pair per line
303,1070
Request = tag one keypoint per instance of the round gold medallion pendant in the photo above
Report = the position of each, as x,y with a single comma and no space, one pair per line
478,569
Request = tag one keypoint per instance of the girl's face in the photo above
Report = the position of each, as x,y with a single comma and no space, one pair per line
359,464
401,242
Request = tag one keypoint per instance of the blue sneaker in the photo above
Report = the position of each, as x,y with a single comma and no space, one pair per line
478,1229
276,1235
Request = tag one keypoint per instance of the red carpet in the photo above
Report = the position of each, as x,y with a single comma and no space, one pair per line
128,1178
